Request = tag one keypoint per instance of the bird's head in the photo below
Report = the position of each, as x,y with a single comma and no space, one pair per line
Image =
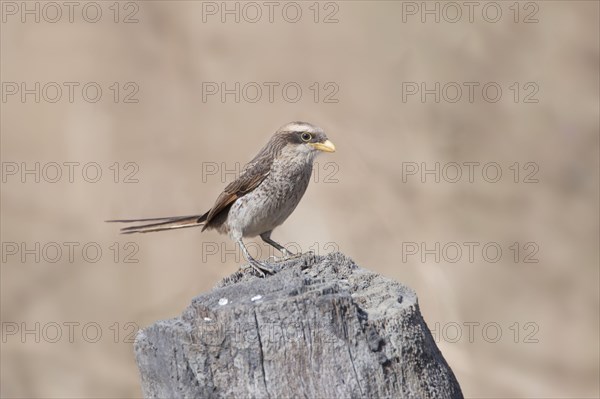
305,137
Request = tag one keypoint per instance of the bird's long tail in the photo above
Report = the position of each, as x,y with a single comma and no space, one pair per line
161,224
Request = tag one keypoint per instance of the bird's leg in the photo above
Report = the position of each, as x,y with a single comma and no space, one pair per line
266,237
259,267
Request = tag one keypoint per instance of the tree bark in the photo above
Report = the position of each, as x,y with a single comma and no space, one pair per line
321,327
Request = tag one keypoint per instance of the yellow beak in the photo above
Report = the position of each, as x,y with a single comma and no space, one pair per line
327,146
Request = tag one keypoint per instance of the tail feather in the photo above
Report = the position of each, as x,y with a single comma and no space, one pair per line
167,223
150,219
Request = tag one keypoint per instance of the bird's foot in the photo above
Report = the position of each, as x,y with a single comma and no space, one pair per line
290,255
261,268
287,255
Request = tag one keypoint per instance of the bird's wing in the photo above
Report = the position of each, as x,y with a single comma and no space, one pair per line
252,175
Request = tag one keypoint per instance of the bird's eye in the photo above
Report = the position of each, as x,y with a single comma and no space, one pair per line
306,136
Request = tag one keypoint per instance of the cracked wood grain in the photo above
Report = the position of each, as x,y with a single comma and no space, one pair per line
286,335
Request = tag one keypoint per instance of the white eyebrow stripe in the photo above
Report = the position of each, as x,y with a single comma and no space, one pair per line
304,127
301,126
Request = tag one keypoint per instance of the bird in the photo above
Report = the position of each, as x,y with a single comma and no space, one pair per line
266,192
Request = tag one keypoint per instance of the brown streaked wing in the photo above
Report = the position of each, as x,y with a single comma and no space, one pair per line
251,177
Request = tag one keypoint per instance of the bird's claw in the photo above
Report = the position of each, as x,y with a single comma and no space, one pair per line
263,268
259,267
290,255
285,256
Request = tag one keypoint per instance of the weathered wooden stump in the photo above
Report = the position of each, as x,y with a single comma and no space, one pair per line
322,327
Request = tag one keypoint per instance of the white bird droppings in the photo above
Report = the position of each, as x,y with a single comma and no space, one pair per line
256,298
223,301
207,319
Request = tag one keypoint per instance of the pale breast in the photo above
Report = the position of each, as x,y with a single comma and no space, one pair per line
272,202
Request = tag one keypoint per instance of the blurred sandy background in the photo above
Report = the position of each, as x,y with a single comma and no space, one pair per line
546,312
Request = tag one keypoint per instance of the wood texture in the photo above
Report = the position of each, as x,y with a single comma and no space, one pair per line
321,327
